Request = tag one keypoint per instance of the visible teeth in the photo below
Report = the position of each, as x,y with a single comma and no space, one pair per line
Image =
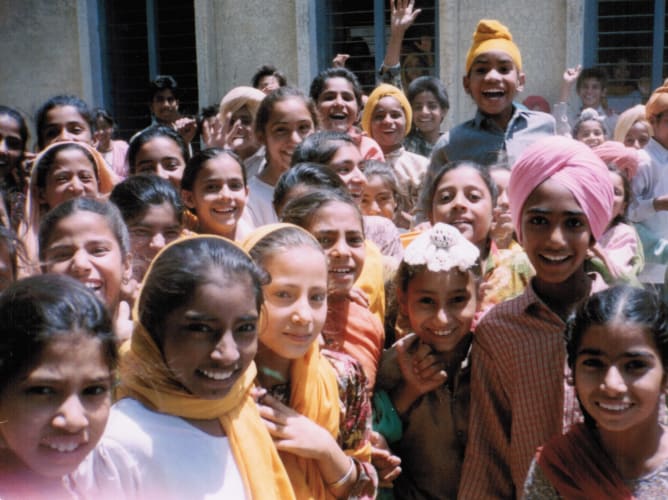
342,271
219,374
92,285
442,333
63,447
615,407
554,258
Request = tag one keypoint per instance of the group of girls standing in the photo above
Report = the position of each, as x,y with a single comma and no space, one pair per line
304,309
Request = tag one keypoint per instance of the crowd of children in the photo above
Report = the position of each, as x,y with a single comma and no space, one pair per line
332,297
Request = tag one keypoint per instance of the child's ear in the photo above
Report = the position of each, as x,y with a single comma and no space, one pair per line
260,137
521,80
466,82
127,268
188,198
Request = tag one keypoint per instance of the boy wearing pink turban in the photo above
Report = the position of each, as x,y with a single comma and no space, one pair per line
493,78
561,200
649,209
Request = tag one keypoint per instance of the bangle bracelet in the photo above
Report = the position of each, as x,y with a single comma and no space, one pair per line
344,479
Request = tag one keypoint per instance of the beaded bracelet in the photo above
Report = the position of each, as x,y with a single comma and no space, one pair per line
344,479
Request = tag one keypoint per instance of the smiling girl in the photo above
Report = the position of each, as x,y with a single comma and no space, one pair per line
618,352
158,150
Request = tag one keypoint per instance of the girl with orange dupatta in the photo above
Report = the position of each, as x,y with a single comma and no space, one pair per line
618,352
186,414
313,402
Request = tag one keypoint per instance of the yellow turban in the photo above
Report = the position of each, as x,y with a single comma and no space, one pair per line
385,90
239,97
492,35
658,102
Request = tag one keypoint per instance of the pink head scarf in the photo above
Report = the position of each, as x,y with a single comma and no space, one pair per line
574,166
624,158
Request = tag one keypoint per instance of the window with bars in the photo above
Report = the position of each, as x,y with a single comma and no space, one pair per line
626,39
355,27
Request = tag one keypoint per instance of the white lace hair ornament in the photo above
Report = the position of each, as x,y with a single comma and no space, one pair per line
442,248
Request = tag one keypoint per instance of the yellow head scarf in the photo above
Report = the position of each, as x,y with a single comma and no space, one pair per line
33,209
146,377
314,392
386,90
239,97
658,102
492,35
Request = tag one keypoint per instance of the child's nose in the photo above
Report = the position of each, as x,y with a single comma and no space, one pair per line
226,350
158,241
80,263
613,382
71,416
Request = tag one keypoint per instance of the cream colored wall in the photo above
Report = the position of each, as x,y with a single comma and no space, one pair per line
548,33
40,52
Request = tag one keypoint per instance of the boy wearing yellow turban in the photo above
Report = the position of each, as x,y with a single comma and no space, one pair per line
493,77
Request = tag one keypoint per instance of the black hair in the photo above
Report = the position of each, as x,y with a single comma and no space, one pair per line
136,194
24,134
320,147
15,250
429,84
61,101
313,175
385,172
185,265
595,73
103,114
281,94
36,310
160,83
587,115
318,83
107,210
623,303
196,163
147,135
303,210
439,170
206,113
45,163
268,70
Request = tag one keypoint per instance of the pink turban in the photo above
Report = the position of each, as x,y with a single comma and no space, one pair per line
574,166
624,158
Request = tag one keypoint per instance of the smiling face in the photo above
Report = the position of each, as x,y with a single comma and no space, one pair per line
11,144
295,301
55,414
210,342
337,105
638,136
619,377
440,307
150,233
378,198
427,113
493,82
218,196
462,199
591,92
290,122
555,232
83,246
72,175
388,124
243,142
591,133
347,164
64,123
338,228
163,157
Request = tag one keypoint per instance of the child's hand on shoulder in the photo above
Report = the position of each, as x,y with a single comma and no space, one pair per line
420,367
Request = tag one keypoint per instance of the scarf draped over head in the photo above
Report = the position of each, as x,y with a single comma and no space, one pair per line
239,97
492,35
573,165
624,158
386,90
146,377
34,209
314,392
657,103
579,469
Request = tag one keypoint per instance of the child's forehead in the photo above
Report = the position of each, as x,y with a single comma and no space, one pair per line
494,56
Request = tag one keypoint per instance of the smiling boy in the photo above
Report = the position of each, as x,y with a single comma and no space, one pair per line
493,78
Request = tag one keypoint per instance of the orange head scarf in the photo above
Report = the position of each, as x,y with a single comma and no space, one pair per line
386,90
314,392
492,35
146,377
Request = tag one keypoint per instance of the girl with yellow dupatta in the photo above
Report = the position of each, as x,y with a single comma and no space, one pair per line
314,403
186,414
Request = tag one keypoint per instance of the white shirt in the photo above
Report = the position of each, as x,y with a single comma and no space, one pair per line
174,459
259,206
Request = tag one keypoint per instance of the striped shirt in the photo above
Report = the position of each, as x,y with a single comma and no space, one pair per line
519,394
